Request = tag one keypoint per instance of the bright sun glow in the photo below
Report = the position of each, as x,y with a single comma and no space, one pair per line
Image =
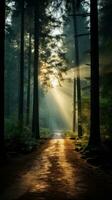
54,82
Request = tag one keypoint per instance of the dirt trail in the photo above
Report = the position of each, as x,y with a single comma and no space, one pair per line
58,173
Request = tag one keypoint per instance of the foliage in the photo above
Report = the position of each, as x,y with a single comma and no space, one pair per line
45,133
69,134
106,119
17,141
52,57
80,144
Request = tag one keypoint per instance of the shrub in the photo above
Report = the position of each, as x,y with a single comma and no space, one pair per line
45,133
18,141
69,134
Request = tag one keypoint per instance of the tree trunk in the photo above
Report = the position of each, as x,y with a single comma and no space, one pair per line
94,139
29,81
2,36
74,104
21,86
35,120
7,109
78,70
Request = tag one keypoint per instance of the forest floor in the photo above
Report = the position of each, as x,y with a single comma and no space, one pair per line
54,172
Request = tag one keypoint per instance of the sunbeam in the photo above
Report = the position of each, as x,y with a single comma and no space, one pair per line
64,103
59,100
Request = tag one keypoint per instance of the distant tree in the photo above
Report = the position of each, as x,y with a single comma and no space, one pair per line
21,86
78,84
105,17
12,59
29,82
74,104
35,119
2,36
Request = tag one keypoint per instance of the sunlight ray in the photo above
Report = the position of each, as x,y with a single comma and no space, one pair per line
64,105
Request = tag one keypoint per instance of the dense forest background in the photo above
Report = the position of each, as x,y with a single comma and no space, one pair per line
58,70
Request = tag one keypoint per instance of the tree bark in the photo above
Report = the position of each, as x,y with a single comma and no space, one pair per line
35,120
74,104
21,86
94,139
2,36
29,82
78,70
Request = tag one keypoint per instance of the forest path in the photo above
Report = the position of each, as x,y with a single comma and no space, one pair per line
57,173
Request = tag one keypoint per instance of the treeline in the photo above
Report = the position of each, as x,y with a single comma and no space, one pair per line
27,35
95,13
28,52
